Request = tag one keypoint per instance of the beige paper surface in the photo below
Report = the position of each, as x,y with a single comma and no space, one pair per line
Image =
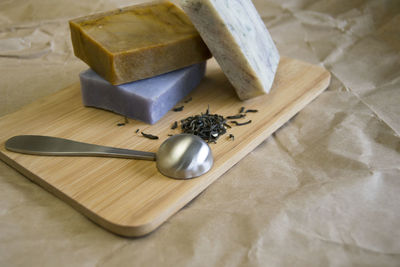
324,190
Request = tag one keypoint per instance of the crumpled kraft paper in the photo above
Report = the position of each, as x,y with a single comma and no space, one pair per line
324,190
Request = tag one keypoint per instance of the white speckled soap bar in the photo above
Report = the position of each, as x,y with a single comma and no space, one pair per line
239,41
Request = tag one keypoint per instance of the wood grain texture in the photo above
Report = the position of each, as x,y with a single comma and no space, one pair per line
129,197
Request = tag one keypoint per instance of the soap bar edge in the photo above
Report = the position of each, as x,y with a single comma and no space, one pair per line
105,62
109,94
223,55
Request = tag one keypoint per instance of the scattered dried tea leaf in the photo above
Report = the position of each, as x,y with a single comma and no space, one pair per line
150,136
241,123
177,109
239,116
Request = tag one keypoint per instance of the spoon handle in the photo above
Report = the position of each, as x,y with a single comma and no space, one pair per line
55,146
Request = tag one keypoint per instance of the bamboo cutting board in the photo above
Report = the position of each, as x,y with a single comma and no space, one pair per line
129,197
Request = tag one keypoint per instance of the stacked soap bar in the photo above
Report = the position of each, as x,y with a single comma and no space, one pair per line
239,41
137,42
144,59
146,100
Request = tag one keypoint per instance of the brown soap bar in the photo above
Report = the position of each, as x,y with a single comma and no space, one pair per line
137,42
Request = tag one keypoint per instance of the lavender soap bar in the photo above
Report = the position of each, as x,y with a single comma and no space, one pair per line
146,100
239,41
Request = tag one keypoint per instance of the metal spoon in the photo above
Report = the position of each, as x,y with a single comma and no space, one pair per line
181,156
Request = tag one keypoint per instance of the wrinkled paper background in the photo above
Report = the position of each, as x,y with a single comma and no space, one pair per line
324,190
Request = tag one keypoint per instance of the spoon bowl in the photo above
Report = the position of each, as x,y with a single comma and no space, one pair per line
182,156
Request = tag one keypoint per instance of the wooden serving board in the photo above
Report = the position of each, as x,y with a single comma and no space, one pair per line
129,197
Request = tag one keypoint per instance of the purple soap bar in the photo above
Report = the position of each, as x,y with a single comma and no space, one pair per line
146,100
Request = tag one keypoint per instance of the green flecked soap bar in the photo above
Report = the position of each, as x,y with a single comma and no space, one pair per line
137,42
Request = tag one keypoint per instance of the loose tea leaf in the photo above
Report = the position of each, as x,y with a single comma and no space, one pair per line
150,136
177,109
174,126
227,125
123,123
137,130
188,100
207,126
239,116
241,123
231,136
241,110
251,110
